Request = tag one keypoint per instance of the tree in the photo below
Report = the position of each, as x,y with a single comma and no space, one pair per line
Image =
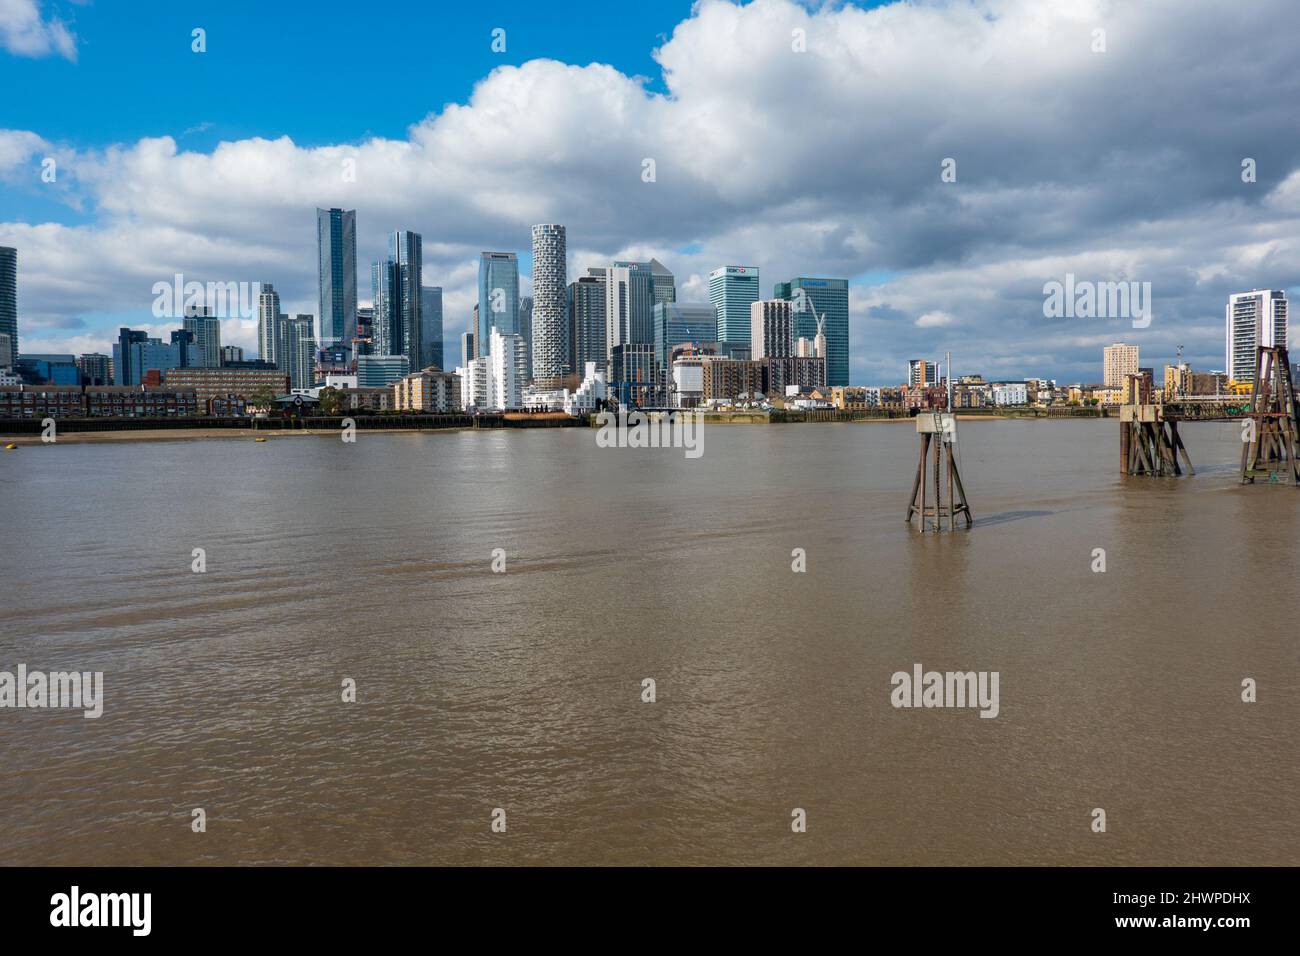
331,401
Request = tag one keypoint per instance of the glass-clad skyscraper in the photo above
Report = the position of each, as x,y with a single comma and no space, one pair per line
431,347
336,244
405,250
498,295
827,299
731,290
9,304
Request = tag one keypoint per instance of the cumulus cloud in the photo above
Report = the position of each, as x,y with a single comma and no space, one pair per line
24,32
1122,164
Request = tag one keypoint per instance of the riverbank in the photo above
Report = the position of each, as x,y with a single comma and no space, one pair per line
243,431
189,434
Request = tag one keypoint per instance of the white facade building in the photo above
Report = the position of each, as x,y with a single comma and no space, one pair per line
1011,393
589,393
1252,319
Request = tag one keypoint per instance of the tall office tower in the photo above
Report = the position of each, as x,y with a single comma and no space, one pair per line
821,305
206,329
5,351
676,323
507,360
769,329
922,374
431,347
336,245
385,291
663,286
9,304
550,326
587,322
405,250
297,350
525,327
268,321
1119,361
629,305
94,369
468,351
1252,319
732,290
498,296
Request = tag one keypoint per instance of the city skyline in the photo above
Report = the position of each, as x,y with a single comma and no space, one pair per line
931,264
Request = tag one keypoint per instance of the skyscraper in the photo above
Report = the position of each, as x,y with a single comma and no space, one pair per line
629,305
431,345
1252,319
587,321
498,296
297,350
550,338
206,331
769,329
823,302
663,286
268,321
405,249
336,244
385,291
732,289
9,304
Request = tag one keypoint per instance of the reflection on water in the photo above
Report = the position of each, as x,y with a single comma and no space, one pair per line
522,690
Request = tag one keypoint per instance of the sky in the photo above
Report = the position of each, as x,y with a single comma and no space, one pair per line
1100,139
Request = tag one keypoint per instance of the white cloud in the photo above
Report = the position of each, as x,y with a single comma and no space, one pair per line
823,162
24,32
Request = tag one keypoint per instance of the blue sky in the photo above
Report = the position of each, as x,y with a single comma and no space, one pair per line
388,64
819,161
136,75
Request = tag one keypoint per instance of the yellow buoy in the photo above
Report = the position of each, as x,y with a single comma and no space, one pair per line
10,447
259,439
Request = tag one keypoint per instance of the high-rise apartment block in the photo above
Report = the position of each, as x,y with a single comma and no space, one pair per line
1251,319
550,326
1119,361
